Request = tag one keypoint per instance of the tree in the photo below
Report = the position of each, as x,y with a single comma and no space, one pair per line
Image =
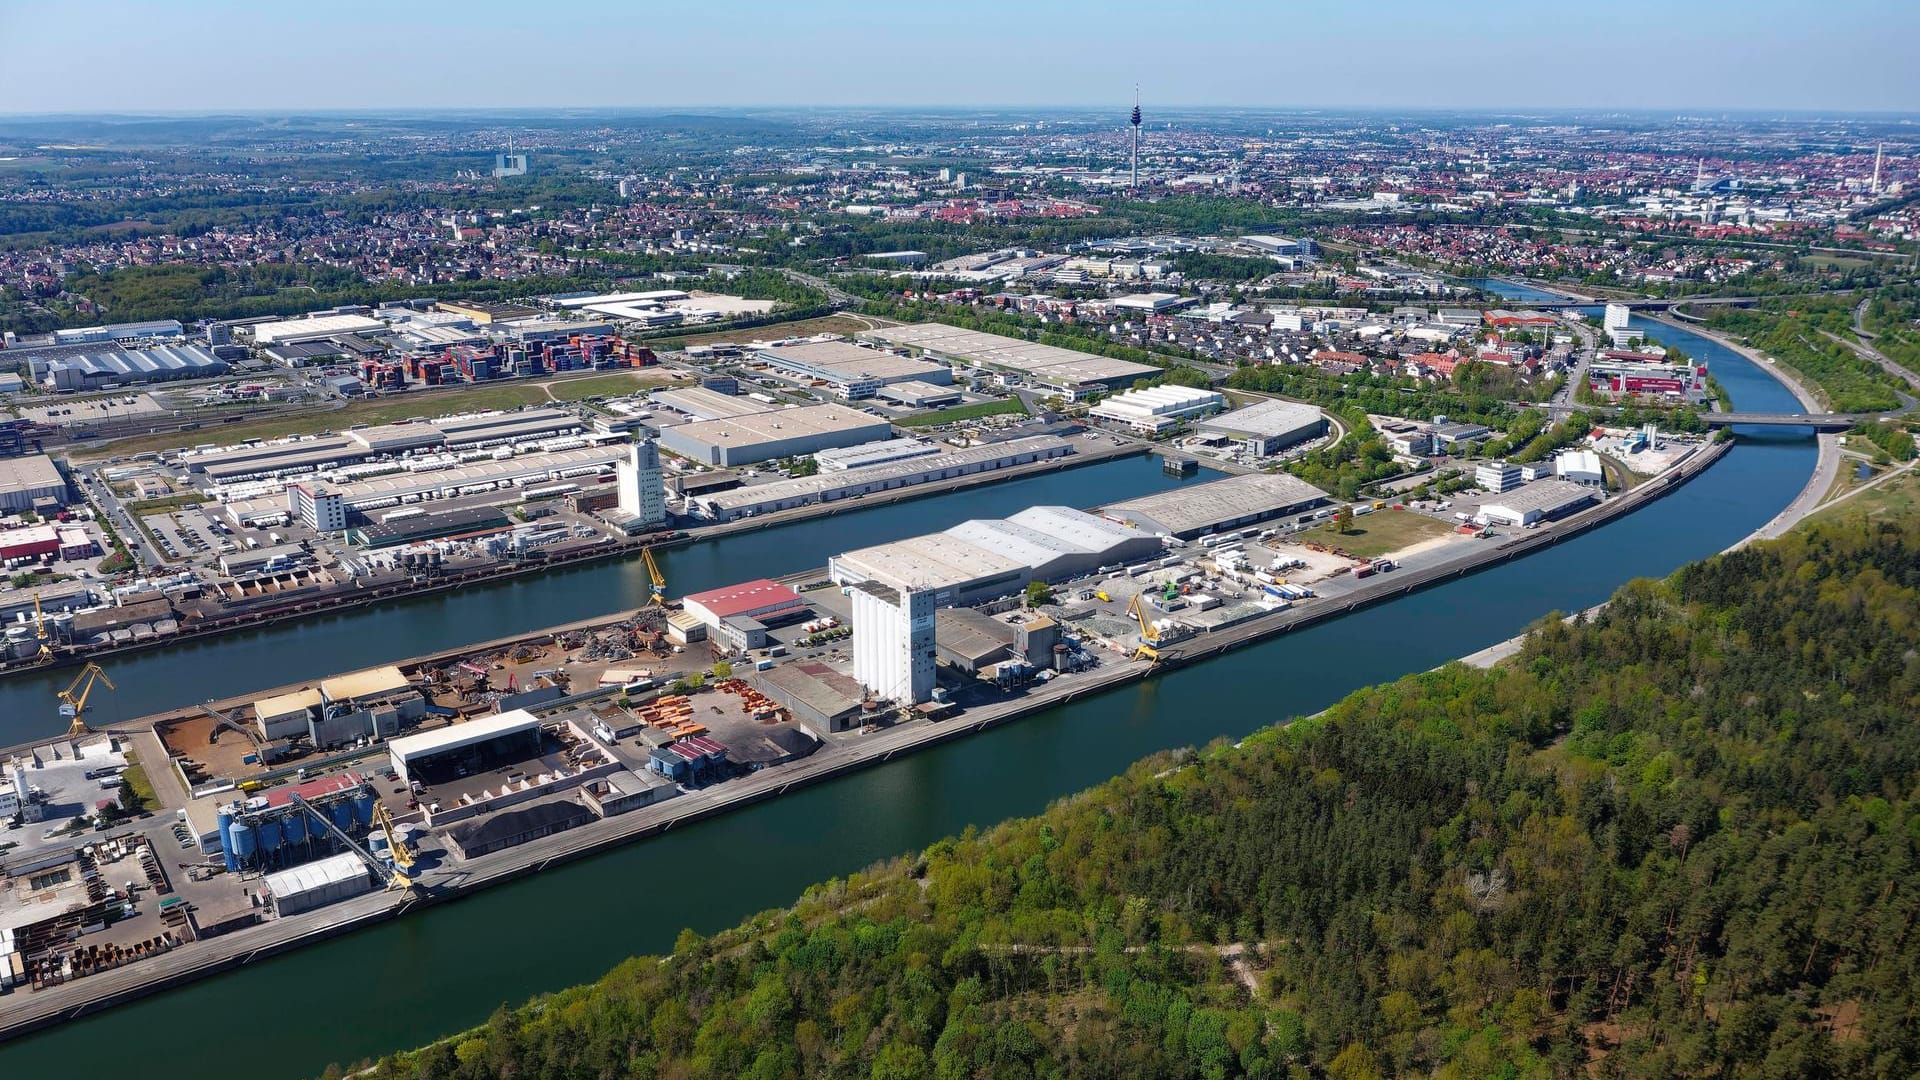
1343,520
722,669
1039,592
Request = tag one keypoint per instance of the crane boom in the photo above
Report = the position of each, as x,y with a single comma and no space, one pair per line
1149,637
40,630
73,700
653,573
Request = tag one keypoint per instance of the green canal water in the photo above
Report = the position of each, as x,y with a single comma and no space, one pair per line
407,982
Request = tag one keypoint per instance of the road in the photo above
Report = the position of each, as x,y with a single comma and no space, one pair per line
1562,404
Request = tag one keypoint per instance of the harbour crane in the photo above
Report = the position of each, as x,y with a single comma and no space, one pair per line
394,873
1149,635
73,700
659,580
40,631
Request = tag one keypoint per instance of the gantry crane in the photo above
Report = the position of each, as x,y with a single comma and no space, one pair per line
659,579
1149,636
73,700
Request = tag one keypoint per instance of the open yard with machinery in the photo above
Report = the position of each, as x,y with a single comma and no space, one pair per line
1382,532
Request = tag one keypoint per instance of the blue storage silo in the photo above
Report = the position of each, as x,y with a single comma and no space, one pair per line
226,840
294,827
242,835
363,806
268,834
342,814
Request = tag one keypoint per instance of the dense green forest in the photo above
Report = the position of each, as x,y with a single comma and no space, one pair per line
1677,839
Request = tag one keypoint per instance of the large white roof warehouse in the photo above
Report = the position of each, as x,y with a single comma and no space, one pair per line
1047,364
990,557
1199,509
292,331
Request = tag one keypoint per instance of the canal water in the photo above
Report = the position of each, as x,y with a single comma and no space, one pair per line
289,652
410,981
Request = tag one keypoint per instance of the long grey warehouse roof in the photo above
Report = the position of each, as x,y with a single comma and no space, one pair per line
159,362
1272,417
1201,507
29,472
1549,497
1011,354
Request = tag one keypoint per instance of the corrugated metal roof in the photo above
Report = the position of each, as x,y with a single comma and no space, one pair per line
316,875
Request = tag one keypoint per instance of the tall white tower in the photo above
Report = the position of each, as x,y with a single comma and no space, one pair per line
893,641
642,485
1879,152
1134,175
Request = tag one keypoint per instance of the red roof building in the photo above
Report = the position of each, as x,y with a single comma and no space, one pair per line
755,599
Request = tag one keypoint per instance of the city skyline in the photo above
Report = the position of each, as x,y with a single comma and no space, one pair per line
1771,56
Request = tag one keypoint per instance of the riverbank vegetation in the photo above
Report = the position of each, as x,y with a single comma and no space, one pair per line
1793,337
1677,839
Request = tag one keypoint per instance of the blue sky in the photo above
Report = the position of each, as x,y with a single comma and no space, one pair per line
83,55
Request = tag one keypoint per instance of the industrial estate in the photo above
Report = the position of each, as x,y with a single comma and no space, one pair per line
1338,418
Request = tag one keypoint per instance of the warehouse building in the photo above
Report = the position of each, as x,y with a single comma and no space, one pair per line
835,484
1267,427
740,614
464,521
702,403
125,367
743,440
314,328
815,694
1543,500
316,884
851,370
28,478
1580,467
477,746
90,335
984,559
1070,373
1217,505
318,452
915,394
1158,408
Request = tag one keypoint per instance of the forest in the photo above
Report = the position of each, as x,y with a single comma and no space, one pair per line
1677,838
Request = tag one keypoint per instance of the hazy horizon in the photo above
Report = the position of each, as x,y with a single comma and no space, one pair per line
202,57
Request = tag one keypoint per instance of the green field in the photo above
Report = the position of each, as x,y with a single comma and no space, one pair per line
613,385
136,778
1895,498
165,503
311,422
1382,532
826,324
965,412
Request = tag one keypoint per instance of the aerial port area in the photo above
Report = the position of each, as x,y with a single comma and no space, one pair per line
187,841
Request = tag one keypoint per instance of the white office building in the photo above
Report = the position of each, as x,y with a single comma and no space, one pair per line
893,641
320,508
1616,322
1496,476
643,497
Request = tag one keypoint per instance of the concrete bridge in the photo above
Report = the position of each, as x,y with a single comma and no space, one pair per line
1817,421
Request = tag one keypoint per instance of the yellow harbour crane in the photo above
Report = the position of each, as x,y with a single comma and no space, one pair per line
40,630
402,858
73,700
1149,636
659,579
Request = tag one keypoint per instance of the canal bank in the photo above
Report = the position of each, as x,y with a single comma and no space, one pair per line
1102,448
191,672
408,981
83,997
